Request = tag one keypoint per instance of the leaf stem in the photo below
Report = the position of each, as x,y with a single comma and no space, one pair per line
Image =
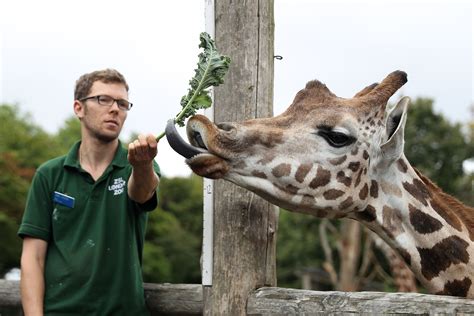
160,136
196,92
190,102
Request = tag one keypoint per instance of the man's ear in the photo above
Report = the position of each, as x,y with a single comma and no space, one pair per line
392,149
78,109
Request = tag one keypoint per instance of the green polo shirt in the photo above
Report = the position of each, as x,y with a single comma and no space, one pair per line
95,236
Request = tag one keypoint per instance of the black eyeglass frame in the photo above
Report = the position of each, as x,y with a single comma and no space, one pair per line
118,101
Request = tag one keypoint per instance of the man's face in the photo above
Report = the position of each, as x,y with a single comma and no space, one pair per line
100,121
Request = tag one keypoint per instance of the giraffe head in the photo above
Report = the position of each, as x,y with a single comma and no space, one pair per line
321,156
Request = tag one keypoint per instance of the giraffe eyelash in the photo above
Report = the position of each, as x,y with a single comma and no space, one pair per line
333,138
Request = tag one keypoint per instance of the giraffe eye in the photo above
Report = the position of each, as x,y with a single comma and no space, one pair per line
336,139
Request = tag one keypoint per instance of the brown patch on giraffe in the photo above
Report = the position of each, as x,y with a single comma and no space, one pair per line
374,189
259,174
392,221
365,155
390,189
357,181
267,158
457,287
333,194
452,208
338,160
302,171
346,203
451,250
354,166
341,177
269,139
282,170
418,190
291,189
364,192
307,200
422,222
321,179
354,151
402,166
367,215
240,165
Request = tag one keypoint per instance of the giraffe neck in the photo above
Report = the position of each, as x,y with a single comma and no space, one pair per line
432,231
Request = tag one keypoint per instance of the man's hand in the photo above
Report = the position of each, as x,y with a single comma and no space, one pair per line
142,151
143,181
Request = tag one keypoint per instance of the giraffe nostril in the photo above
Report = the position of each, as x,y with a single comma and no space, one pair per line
226,127
198,139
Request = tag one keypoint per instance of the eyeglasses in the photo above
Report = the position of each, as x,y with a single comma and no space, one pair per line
109,101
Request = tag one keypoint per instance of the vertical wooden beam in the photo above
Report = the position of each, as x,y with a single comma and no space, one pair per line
244,225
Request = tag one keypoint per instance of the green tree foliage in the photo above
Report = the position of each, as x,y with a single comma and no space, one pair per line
298,247
23,147
68,134
28,143
466,189
436,146
174,233
21,151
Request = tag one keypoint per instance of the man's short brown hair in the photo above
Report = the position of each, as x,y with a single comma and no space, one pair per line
85,82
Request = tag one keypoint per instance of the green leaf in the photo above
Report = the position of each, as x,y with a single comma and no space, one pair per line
210,72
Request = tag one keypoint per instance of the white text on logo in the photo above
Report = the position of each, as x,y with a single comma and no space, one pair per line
118,186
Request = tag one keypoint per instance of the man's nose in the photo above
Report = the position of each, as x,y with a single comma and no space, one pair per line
115,106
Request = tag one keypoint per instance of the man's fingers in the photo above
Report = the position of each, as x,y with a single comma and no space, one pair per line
152,145
151,140
131,152
143,140
143,148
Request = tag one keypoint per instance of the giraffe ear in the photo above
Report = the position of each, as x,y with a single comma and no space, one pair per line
392,149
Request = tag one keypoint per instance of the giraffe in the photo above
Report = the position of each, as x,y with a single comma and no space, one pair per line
335,157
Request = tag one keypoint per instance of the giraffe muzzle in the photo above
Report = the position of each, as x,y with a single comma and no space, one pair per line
179,144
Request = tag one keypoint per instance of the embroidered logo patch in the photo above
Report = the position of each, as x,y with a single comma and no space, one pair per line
118,186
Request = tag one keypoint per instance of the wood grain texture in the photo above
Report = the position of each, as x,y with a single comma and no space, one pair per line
245,225
187,299
280,301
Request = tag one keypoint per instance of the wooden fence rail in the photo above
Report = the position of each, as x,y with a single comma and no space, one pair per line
186,299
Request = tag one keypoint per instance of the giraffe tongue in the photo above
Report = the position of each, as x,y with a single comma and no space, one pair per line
179,144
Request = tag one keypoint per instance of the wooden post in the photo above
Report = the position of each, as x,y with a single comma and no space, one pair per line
244,225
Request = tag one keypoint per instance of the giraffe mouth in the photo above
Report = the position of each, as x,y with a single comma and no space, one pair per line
198,157
180,145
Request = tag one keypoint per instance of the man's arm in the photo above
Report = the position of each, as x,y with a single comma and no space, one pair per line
32,275
143,181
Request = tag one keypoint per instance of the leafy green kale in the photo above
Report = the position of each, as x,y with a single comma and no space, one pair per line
211,70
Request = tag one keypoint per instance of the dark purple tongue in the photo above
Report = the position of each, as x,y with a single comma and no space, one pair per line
179,144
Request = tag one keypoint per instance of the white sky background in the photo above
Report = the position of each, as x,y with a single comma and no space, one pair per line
46,45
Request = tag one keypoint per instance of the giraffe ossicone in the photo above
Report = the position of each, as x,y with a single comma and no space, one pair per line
343,157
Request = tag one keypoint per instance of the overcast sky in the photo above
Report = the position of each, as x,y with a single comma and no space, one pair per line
46,45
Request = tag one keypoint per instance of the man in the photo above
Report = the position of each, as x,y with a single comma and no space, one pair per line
84,222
